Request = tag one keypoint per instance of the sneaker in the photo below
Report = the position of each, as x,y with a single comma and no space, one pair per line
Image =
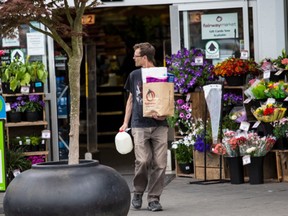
154,206
137,201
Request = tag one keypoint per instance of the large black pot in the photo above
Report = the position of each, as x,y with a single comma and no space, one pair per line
55,188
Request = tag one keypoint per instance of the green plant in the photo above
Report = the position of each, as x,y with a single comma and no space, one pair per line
35,140
17,74
228,123
33,103
38,72
183,151
280,128
15,159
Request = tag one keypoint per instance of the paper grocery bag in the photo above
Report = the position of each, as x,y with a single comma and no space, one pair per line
158,98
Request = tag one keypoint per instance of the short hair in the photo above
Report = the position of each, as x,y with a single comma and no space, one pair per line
146,49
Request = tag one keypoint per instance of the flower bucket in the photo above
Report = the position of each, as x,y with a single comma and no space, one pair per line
186,168
14,116
236,169
235,80
32,116
255,170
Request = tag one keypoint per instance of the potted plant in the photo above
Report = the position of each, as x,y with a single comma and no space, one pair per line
16,74
39,76
188,73
17,109
35,143
62,21
183,150
236,69
32,106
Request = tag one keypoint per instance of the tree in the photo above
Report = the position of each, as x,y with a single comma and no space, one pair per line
63,23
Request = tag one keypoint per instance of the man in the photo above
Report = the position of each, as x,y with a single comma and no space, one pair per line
150,135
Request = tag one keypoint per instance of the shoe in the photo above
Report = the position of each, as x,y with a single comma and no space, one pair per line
154,206
137,201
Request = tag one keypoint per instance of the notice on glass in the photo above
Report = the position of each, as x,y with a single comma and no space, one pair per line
35,43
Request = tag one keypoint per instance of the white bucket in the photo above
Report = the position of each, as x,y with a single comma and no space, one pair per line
123,142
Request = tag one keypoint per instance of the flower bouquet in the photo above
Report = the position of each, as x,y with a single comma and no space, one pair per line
257,146
230,143
282,61
280,128
269,112
183,150
189,74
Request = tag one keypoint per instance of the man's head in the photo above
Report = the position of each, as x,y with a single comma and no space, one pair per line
144,54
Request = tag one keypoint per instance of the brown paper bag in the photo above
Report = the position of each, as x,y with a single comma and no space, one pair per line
158,98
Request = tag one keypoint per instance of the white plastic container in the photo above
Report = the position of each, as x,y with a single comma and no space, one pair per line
123,142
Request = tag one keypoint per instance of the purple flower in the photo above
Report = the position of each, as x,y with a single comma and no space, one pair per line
199,144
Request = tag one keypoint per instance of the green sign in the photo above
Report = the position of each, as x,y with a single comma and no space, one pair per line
2,158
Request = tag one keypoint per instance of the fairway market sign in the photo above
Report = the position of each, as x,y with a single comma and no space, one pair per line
217,26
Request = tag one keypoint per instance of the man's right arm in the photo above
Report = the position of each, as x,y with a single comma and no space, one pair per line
128,112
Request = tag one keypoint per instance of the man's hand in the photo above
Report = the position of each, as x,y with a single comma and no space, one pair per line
160,118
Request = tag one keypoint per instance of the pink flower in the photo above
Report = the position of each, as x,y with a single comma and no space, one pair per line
2,52
284,61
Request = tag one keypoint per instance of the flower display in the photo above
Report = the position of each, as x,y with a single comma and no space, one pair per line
280,128
244,143
18,105
236,66
232,99
188,73
182,118
282,61
35,159
183,150
256,145
230,143
269,112
33,103
197,136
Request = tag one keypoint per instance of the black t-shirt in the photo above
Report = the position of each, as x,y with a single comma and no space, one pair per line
134,85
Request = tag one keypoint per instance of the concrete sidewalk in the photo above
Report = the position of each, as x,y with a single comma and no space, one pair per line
183,199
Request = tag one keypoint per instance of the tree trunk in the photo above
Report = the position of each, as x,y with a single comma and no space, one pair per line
74,65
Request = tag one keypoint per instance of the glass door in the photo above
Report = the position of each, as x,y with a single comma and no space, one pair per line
221,28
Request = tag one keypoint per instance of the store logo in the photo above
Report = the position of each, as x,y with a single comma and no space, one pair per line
150,95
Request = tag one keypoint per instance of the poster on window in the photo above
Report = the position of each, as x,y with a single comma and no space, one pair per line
219,26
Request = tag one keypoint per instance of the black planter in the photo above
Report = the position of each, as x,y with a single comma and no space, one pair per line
14,116
32,116
236,169
6,89
235,80
55,188
186,168
255,170
277,78
36,87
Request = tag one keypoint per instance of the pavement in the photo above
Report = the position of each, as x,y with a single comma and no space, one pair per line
180,198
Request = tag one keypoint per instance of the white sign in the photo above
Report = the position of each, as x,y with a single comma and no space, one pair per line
17,53
12,42
216,26
212,50
35,43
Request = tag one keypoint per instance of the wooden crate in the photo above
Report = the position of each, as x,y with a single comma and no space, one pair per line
212,166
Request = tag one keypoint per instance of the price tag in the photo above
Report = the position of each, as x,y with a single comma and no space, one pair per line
46,134
25,89
256,124
247,100
279,72
246,159
199,60
245,126
8,107
188,97
244,54
266,74
271,101
16,172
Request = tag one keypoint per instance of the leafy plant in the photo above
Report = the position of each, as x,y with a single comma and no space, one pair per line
15,159
280,128
35,140
38,72
183,151
33,103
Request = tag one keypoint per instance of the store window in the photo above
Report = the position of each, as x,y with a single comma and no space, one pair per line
202,28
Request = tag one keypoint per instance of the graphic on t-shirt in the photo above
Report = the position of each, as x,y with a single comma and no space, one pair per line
150,95
139,93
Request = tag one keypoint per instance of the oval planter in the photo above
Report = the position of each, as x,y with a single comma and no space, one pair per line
56,188
255,170
14,116
236,169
